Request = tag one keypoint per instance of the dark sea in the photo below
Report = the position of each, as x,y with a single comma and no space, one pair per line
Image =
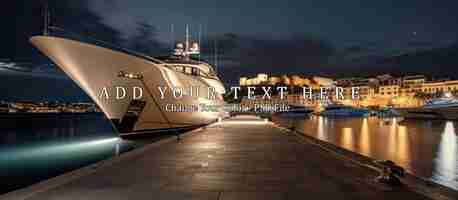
37,147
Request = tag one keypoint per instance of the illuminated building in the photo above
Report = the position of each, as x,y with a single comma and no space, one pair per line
262,78
440,86
388,90
380,91
243,81
274,80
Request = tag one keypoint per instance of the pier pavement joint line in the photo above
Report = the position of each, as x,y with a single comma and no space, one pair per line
219,195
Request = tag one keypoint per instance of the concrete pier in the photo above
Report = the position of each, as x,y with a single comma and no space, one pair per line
241,158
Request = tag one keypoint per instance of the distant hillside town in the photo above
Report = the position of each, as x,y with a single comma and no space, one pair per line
380,91
26,106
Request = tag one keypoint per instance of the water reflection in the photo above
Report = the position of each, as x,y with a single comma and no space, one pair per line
426,148
37,152
446,161
403,146
320,131
347,138
365,142
37,148
391,147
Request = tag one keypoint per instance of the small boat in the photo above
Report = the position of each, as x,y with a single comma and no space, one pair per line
388,113
337,110
445,107
448,101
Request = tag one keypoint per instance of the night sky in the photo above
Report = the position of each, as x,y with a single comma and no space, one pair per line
310,37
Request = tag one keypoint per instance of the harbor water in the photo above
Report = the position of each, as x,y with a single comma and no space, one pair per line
36,147
33,149
426,148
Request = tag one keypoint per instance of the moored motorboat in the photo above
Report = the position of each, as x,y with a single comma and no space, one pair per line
337,110
445,107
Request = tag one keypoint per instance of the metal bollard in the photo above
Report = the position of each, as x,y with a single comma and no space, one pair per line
178,137
390,173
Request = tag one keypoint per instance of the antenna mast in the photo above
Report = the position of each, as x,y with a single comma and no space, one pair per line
172,36
187,39
46,18
216,56
200,33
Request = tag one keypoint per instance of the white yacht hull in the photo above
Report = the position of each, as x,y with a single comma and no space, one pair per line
94,68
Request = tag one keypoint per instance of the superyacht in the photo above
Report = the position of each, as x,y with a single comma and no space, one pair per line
95,68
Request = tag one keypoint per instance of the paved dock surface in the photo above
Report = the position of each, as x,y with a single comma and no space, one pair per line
241,158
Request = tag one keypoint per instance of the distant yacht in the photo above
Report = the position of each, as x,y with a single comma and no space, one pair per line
338,110
444,102
445,107
94,67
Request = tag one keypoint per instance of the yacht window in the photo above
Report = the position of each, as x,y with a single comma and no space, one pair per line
194,71
188,70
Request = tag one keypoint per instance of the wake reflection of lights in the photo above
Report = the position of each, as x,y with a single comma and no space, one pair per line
446,161
347,138
321,127
56,149
365,142
392,141
97,142
403,146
